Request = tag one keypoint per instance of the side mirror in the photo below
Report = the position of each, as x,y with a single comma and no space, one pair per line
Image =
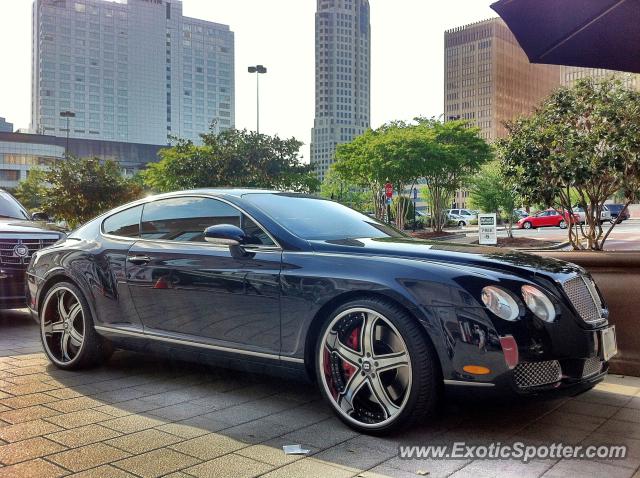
225,235
40,216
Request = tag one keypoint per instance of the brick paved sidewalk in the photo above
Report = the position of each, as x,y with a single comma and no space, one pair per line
136,417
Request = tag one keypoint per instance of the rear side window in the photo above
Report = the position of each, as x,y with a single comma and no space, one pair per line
125,223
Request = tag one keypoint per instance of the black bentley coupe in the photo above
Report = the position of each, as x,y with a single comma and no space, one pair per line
272,280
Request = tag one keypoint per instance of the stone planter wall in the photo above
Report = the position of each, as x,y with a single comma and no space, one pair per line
618,277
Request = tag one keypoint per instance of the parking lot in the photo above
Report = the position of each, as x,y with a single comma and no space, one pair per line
145,416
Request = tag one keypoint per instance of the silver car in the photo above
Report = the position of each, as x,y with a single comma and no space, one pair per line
605,215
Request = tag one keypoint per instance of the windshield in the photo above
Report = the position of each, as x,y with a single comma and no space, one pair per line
10,207
319,219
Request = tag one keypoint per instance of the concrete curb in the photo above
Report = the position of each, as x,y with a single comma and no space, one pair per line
555,247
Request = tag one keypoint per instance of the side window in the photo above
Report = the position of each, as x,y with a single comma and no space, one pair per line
125,223
455,211
186,218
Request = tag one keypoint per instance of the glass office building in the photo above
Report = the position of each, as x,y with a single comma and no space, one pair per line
130,70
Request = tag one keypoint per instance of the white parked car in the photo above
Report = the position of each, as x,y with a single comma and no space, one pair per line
463,215
605,215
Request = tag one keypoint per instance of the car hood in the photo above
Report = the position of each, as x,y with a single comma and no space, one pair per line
493,258
9,225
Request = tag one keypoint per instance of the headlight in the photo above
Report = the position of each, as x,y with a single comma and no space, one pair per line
500,302
538,303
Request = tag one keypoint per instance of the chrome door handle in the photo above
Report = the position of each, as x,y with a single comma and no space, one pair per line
139,260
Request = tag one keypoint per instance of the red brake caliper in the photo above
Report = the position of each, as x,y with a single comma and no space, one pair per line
353,342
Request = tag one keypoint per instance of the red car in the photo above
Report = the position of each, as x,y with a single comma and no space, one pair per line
547,218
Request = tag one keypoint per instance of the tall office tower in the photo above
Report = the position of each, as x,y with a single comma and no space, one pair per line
488,80
571,74
130,70
343,77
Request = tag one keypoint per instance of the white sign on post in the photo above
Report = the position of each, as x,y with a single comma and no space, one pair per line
488,229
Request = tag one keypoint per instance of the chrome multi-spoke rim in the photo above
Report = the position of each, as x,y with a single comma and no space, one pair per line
366,367
62,325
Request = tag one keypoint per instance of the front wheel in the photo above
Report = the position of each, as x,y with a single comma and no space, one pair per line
375,367
563,224
527,225
66,329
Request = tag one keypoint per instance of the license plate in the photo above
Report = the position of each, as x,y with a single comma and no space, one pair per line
608,343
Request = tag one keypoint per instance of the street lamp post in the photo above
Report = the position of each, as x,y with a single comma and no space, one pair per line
67,114
258,70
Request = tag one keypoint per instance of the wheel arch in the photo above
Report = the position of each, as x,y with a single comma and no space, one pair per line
57,277
313,332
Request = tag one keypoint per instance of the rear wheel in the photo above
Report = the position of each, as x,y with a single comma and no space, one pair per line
66,329
461,224
563,224
375,367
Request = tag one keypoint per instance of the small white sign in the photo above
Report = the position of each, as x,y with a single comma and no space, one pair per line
487,229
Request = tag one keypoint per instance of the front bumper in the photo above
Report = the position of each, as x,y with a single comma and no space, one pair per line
13,292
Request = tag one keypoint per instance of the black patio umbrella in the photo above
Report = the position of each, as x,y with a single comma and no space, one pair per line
588,33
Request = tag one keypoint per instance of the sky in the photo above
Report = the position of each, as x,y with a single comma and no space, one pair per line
407,56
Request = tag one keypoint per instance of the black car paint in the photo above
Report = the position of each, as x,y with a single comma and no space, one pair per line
265,309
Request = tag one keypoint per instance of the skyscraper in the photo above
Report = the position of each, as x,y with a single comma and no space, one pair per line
489,80
343,77
130,70
488,77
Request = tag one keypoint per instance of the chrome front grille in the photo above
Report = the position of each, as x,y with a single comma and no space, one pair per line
592,366
585,298
533,374
18,251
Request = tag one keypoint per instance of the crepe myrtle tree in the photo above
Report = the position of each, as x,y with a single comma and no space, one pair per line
443,154
583,142
236,158
491,191
458,154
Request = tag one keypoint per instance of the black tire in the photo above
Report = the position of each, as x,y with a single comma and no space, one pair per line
562,224
527,225
461,224
421,396
93,349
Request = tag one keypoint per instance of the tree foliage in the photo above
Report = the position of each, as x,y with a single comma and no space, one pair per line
443,154
232,158
491,191
31,191
582,141
335,188
76,190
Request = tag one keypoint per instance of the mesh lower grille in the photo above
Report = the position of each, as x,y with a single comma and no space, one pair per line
9,254
583,295
533,374
592,366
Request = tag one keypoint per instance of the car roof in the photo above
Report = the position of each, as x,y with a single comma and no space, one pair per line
238,192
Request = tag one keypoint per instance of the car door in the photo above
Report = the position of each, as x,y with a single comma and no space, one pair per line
185,287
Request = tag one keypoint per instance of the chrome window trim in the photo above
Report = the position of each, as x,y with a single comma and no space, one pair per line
265,248
189,343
